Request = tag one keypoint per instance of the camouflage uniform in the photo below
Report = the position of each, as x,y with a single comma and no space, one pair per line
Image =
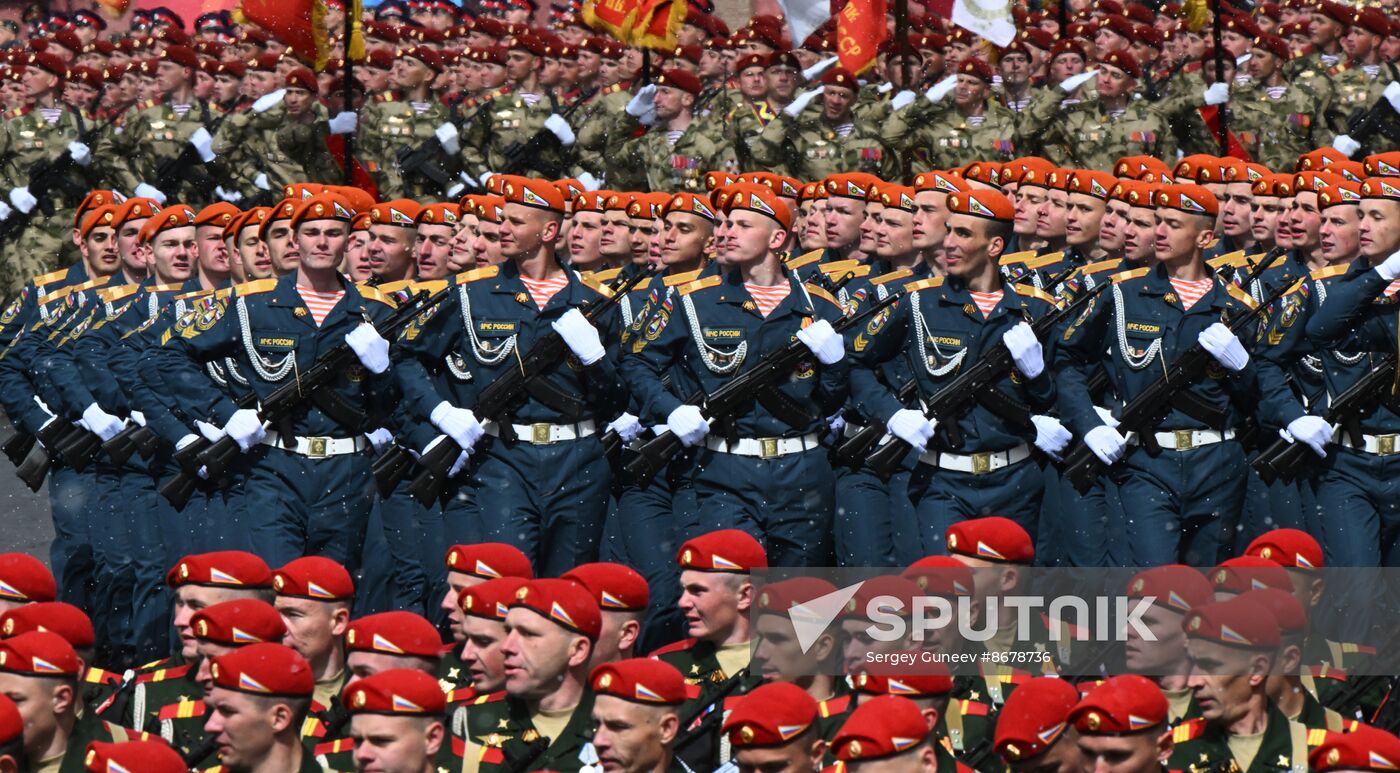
596,121
1093,139
661,165
1287,127
741,126
385,126
937,136
812,149
272,144
512,119
155,134
25,140
1353,89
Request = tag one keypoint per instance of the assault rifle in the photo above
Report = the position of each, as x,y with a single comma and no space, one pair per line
523,156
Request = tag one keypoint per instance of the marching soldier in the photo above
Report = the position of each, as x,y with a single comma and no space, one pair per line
313,598
812,142
1123,723
936,133
1033,729
890,733
636,709
258,697
676,150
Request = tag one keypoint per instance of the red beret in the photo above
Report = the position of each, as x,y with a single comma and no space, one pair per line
264,669
563,602
726,550
680,79
781,597
640,680
977,69
880,727
489,560
1068,46
61,618
1238,622
1034,717
1191,199
540,194
992,538
302,78
1124,60
86,76
39,653
25,578
264,63
314,577
1120,705
931,680
1291,548
1149,36
427,56
1245,573
398,691
221,568
751,60
1118,24
394,633
616,587
530,44
1274,45
1287,610
940,576
770,715
153,755
1372,20
1175,586
901,588
182,55
1364,748
491,599
12,725
238,622
840,76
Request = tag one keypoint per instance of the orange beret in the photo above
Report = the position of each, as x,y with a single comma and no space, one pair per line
539,194
1383,164
1381,188
1276,186
936,180
690,204
1191,199
897,197
760,199
1134,193
399,212
173,216
986,204
1338,194
850,185
102,216
94,199
218,214
438,214
1091,183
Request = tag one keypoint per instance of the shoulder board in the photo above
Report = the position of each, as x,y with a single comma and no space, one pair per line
924,284
838,266
1241,295
974,708
1327,272
170,288
50,278
1317,735
1327,671
1137,273
1341,649
153,664
477,274
431,285
1048,259
256,286
679,279
334,747
98,676
161,674
489,698
1213,243
375,294
701,284
1016,257
121,734
893,276
833,706
1188,730
679,646
1101,266
63,293
193,295
389,287
182,710
805,259
1233,259
114,294
600,286
1031,291
859,272
824,295
606,275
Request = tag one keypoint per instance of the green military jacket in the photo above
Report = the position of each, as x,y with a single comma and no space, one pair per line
511,119
511,742
810,148
388,124
156,133
937,136
596,121
26,139
1203,747
87,730
1277,131
171,704
1353,89
1094,139
661,165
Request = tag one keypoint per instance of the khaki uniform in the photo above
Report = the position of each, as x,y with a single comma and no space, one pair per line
653,162
157,133
931,136
812,149
270,143
25,140
389,124
596,121
1093,139
1286,127
1353,89
741,126
512,119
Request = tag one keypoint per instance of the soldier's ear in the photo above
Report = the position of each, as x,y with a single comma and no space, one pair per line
436,733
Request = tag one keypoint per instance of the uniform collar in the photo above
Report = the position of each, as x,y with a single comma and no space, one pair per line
508,282
733,292
1159,284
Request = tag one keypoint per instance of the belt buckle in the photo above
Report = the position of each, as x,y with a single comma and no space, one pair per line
1185,439
981,462
316,447
539,434
1385,445
768,447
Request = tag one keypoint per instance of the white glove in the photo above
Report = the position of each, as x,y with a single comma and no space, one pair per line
1344,144
370,347
229,196
1106,444
836,422
266,102
580,336
642,105
262,182
380,439
98,421
1025,350
902,100
1050,435
447,135
1390,268
1224,346
456,465
185,441
1106,416
245,428
203,143
1392,95
688,424
210,432
1243,58
23,200
1216,94
1312,431
80,153
626,426
941,89
138,418
459,424
824,341
812,73
557,126
912,427
589,182
456,190
344,123
802,100
148,191
1068,85
885,88
5,211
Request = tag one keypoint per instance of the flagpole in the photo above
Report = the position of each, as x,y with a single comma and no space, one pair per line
1222,133
901,40
348,90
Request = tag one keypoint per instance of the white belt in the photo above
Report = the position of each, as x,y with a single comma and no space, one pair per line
319,447
764,447
1380,445
1187,439
979,463
541,434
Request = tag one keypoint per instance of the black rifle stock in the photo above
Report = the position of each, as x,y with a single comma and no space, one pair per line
524,155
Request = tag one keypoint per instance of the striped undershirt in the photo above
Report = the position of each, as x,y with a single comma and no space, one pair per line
845,129
1276,92
420,107
1191,291
541,290
673,136
319,304
50,114
986,302
530,99
1392,288
180,110
768,298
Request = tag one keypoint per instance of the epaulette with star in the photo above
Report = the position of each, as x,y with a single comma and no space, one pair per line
1031,291
701,284
476,275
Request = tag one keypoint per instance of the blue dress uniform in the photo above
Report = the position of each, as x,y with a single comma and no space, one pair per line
546,492
306,489
1184,502
766,477
939,328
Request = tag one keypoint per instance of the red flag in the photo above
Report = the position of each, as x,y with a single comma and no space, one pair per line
658,23
615,17
1211,115
860,29
301,24
359,178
